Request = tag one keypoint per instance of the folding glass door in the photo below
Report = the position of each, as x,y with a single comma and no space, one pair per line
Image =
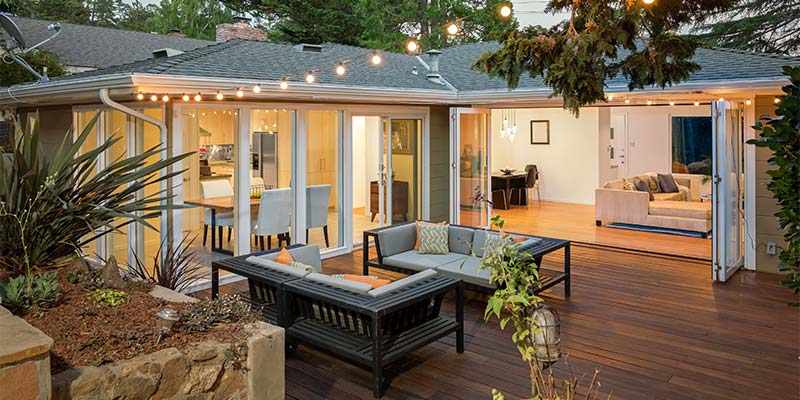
727,191
469,161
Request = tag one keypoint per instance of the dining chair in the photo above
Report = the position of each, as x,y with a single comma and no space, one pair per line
531,184
318,197
211,189
274,216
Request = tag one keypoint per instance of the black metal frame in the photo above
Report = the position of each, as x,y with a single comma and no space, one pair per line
547,277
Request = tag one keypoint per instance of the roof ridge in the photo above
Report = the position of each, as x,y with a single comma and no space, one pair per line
755,53
112,29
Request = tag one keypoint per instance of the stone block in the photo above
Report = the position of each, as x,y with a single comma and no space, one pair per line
266,362
20,381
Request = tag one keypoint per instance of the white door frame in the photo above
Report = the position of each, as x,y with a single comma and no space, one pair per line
455,146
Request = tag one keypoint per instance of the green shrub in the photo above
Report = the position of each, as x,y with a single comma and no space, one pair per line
109,297
28,291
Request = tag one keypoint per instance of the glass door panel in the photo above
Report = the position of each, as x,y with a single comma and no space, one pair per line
470,161
147,136
324,178
117,128
82,119
405,169
727,191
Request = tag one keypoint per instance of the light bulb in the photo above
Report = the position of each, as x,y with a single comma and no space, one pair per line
672,102
165,98
340,69
627,101
412,46
452,29
610,97
310,78
505,11
197,97
153,98
748,102
696,103
140,96
220,96
376,58
721,99
257,88
777,100
239,93
648,1
185,97
649,102
284,85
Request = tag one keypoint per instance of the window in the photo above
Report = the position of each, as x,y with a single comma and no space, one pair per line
691,145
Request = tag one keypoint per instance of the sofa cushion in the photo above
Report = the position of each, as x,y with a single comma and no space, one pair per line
617,184
419,223
433,239
267,263
468,270
397,239
402,283
478,242
308,255
411,260
681,209
667,183
494,244
460,239
653,182
356,287
679,196
643,186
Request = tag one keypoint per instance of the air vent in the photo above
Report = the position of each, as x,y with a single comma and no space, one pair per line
310,48
167,52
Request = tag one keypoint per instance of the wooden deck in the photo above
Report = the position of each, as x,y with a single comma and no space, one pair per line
656,328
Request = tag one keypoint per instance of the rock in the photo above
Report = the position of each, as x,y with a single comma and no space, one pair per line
231,386
202,377
80,265
110,277
203,352
172,376
83,383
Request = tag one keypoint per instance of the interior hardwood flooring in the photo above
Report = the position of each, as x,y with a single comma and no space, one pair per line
576,222
655,327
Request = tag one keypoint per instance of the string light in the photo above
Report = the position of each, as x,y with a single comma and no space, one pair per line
696,103
649,1
376,58
220,96
153,98
672,102
412,46
165,98
185,97
239,93
721,99
610,97
197,97
627,101
748,101
649,102
452,29
284,85
257,88
140,96
340,69
310,78
777,100
505,11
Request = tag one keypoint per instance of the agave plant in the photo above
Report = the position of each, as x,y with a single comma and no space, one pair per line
179,269
52,204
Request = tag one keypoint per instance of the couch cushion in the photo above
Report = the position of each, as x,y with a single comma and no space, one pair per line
433,239
460,239
617,184
681,209
679,196
401,283
309,255
263,261
643,186
467,270
667,183
478,242
357,287
397,239
414,261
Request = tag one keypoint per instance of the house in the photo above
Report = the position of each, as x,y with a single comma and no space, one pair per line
366,138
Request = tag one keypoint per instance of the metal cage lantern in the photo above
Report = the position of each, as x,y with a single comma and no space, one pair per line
547,338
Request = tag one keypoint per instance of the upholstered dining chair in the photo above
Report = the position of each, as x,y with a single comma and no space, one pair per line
274,215
211,189
531,184
317,199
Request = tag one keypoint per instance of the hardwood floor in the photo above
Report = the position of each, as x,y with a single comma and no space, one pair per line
576,222
655,327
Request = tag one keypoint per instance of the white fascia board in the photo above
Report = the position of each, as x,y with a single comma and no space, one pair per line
61,91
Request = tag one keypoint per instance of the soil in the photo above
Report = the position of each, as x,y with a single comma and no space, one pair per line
85,332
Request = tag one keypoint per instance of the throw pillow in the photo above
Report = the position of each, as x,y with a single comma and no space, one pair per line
642,186
628,185
494,243
653,182
514,238
667,183
416,245
433,239
371,280
301,266
284,257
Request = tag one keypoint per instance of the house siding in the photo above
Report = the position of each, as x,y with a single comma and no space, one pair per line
439,164
767,229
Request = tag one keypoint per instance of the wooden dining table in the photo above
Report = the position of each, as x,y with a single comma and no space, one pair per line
506,182
219,204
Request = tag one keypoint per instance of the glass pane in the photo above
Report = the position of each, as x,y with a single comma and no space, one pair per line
82,119
473,169
147,136
691,145
116,128
271,139
323,178
405,168
733,194
367,156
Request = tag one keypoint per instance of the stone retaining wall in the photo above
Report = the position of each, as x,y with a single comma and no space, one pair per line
24,360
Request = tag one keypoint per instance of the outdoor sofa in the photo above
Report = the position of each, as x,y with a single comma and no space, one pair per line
369,327
394,248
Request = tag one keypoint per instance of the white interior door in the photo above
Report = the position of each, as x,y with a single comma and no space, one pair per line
727,191
470,167
619,144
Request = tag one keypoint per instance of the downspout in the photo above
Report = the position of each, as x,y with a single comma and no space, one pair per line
166,216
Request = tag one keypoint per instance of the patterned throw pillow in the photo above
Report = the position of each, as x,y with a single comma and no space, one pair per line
301,266
627,184
494,244
371,280
433,239
653,183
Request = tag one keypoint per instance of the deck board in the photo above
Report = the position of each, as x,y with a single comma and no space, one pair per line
656,327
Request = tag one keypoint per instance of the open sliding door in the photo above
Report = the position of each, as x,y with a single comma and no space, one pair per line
727,186
470,160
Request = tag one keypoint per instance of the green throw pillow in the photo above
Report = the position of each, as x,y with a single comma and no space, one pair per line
494,243
433,239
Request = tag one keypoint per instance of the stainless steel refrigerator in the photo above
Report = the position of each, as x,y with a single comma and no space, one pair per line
264,157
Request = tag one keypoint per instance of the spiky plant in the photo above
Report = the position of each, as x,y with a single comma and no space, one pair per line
177,270
52,204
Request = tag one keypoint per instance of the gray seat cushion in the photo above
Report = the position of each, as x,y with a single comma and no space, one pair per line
308,255
460,239
355,287
397,239
401,283
467,269
264,262
411,260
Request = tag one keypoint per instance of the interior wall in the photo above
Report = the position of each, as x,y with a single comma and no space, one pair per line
365,158
569,165
650,135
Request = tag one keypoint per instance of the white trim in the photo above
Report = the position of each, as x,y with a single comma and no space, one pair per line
300,152
241,181
750,242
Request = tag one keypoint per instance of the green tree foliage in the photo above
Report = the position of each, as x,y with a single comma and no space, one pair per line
782,137
603,39
770,26
383,24
12,73
195,18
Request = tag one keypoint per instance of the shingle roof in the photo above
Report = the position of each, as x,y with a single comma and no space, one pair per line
97,47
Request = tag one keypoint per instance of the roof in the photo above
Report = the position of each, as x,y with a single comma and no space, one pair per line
98,47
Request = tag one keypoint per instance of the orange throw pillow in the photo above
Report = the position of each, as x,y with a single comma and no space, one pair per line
374,282
416,245
515,239
284,257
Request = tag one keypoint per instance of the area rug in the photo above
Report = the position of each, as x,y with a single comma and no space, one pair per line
656,230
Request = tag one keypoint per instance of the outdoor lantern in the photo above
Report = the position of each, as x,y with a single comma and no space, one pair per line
547,341
166,319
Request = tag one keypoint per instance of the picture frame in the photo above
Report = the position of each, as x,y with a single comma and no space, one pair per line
540,131
402,139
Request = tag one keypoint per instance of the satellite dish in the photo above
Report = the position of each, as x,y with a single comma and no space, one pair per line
15,42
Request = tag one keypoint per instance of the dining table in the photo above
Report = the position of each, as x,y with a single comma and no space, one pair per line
506,182
219,204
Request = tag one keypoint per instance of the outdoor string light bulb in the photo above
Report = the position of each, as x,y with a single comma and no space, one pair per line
340,69
412,46
649,102
505,11
376,58
610,97
721,99
284,85
220,96
140,96
696,103
310,78
648,1
627,101
257,88
777,100
452,29
165,98
153,98
185,97
239,93
672,102
748,101
197,97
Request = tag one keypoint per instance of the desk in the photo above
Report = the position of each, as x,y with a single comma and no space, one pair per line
223,204
505,182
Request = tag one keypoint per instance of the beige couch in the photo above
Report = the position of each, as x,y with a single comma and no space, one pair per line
617,201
